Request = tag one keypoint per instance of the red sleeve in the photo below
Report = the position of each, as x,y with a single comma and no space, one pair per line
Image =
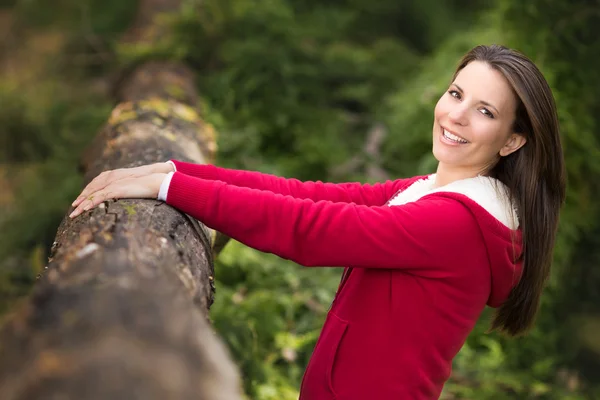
426,236
370,195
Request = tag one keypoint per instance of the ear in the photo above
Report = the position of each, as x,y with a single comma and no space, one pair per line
514,143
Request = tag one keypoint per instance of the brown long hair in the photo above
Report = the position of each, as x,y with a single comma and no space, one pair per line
535,177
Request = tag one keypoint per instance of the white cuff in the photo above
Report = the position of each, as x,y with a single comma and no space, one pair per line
172,164
164,187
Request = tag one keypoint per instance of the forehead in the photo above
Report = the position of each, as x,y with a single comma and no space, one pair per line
483,83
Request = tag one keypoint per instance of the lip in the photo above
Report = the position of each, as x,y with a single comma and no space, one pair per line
443,138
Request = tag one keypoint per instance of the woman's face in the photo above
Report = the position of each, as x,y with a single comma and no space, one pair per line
473,121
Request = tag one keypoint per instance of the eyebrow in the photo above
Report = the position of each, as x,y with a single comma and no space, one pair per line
481,101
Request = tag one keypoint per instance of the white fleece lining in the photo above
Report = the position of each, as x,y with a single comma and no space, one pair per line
489,193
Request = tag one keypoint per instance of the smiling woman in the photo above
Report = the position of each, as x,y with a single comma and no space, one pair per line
423,255
522,141
473,125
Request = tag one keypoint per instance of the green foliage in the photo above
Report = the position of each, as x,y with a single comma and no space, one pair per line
294,87
270,313
28,144
45,163
105,18
45,122
316,84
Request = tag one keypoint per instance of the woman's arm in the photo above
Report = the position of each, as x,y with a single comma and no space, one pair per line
425,236
370,195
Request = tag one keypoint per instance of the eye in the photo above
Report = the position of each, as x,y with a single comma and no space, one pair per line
454,94
487,113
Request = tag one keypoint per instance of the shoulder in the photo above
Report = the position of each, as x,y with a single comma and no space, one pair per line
407,182
486,198
409,189
437,225
436,212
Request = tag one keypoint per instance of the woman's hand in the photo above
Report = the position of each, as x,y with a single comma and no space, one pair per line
118,184
107,177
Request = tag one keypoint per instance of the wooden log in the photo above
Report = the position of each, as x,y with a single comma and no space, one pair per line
121,311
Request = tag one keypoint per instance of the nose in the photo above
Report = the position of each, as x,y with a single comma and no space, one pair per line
458,115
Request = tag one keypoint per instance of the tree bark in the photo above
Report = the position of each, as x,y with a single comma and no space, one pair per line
121,311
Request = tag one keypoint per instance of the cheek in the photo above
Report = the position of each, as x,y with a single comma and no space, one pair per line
439,109
490,136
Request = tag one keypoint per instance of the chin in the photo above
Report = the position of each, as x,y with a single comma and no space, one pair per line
440,153
446,156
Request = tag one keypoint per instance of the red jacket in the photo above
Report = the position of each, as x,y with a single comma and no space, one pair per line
418,272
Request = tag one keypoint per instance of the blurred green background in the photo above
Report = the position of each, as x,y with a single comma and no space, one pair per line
338,90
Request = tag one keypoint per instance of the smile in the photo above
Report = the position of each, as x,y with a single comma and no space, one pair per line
452,137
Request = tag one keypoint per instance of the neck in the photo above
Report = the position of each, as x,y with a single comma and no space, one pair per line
446,175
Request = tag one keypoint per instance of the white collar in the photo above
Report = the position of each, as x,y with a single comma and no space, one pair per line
489,193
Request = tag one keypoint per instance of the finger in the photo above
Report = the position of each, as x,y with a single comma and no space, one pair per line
111,176
75,212
79,200
91,202
106,178
80,208
98,183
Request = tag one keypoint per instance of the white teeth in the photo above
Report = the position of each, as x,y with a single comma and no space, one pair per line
453,137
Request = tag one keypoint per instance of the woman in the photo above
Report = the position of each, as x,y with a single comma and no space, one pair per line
424,255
